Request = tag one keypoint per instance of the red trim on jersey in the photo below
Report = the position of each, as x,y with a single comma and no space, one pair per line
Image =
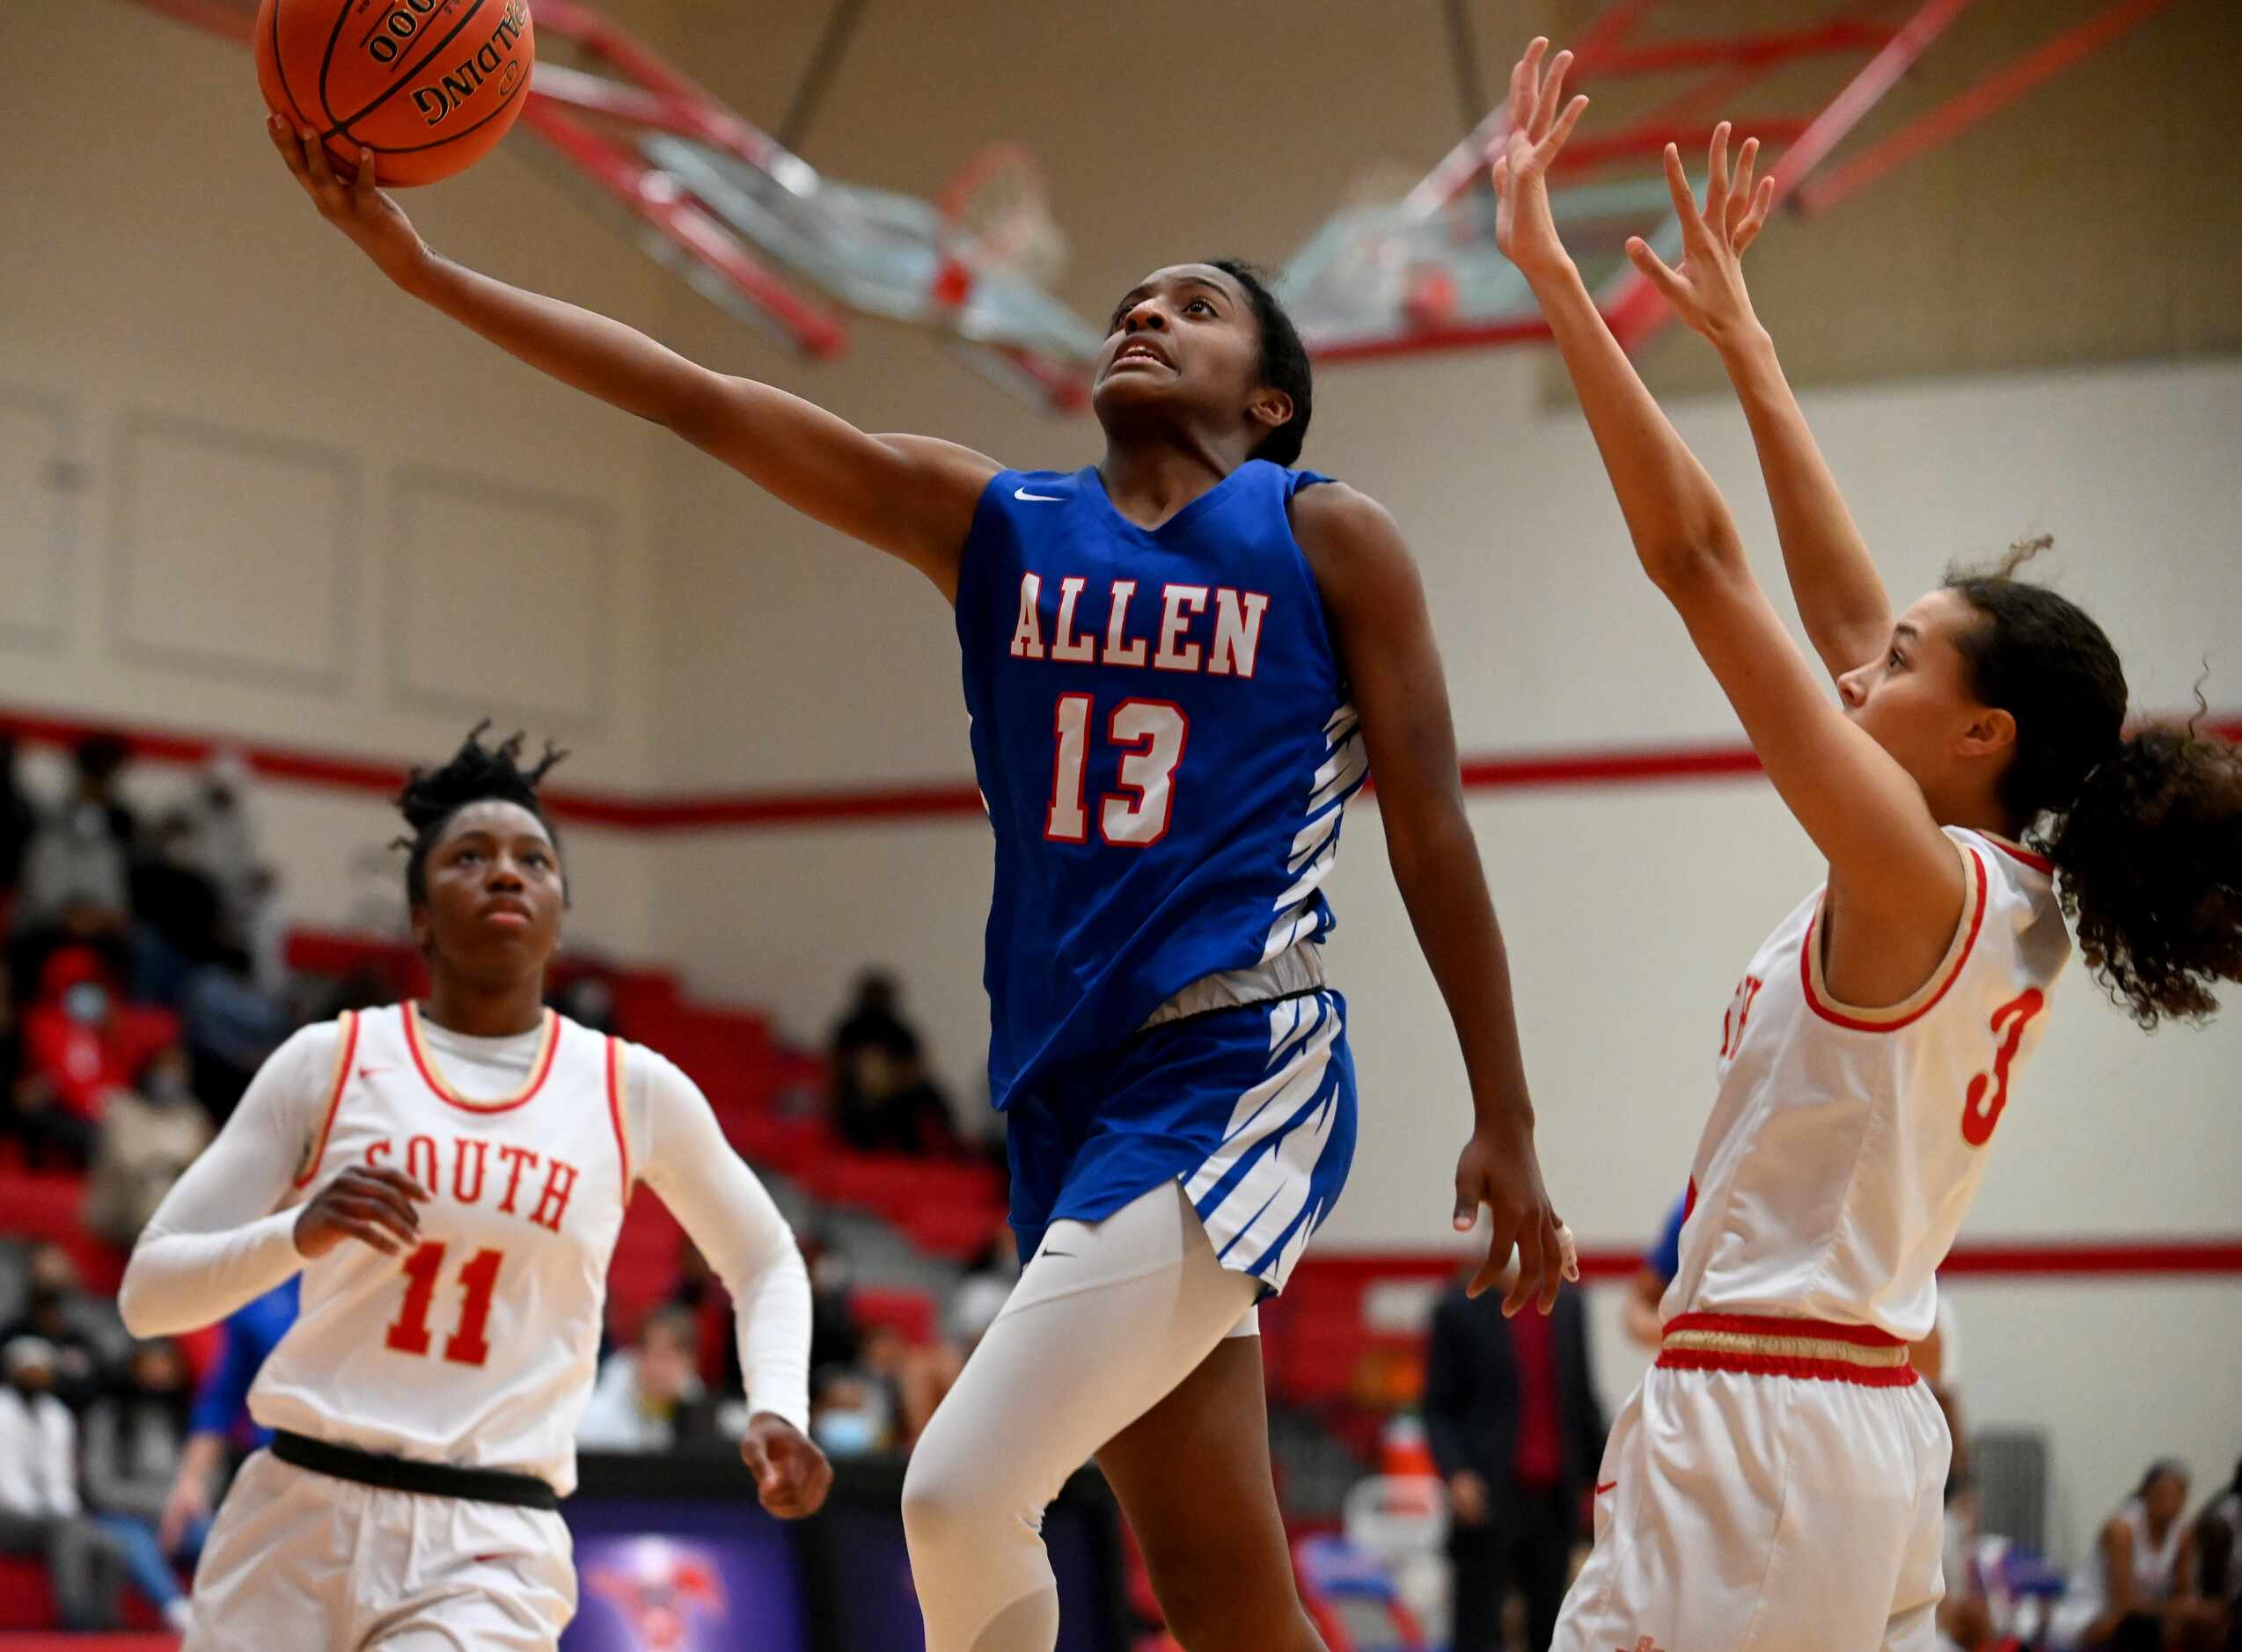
434,1079
1826,1371
1775,1324
1856,1020
2018,851
346,1051
615,1109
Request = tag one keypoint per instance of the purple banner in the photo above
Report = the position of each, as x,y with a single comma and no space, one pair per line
683,1577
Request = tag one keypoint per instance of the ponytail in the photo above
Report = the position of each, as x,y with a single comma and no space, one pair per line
2150,860
2146,828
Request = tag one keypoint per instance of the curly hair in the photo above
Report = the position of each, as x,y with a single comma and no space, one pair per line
1285,363
476,773
2144,828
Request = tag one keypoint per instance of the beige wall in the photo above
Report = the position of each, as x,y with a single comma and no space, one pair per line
246,489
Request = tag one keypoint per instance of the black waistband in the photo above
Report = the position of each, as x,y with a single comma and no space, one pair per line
398,1473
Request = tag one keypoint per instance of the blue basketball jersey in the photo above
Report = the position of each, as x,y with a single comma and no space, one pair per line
1163,738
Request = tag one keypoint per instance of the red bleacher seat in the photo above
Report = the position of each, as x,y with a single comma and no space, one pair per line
955,1232
43,1205
910,1313
893,1184
649,1253
27,1603
786,1146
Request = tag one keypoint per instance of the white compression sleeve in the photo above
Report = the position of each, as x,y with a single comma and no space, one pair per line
679,1151
1106,1320
220,1238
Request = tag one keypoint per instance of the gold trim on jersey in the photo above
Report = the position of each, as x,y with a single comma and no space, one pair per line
1785,1348
424,1059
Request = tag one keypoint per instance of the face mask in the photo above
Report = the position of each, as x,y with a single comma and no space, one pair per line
87,1003
846,1433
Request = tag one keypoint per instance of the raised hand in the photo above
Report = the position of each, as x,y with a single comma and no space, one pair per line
791,1474
1524,230
354,206
1707,291
368,1202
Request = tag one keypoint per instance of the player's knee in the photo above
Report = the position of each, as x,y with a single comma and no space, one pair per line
939,1506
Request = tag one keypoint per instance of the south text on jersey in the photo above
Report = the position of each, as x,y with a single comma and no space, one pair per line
469,1170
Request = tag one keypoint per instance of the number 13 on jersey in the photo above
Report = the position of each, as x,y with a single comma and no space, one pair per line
1151,735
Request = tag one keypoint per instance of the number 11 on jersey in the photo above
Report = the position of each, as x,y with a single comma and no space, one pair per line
1151,735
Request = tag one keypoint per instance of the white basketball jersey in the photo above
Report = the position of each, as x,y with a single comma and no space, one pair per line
1846,1144
479,1349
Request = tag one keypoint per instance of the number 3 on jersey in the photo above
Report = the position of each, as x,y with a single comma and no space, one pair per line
1980,1114
1151,735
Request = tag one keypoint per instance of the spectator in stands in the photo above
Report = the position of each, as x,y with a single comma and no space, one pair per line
231,1024
2218,1554
84,1339
135,1438
650,1397
223,846
176,905
981,1295
2138,1591
82,1046
80,857
850,1413
149,1137
1646,1328
701,1294
834,1339
1516,1433
220,1418
883,1102
40,1510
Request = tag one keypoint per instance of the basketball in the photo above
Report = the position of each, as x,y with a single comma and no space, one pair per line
429,86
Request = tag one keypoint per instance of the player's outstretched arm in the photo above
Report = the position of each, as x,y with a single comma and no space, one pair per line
220,1239
683,1155
1841,597
1376,602
912,497
1895,879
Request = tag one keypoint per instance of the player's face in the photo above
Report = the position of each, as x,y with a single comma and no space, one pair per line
495,893
1916,698
1184,338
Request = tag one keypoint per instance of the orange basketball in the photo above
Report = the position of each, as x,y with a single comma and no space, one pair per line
429,86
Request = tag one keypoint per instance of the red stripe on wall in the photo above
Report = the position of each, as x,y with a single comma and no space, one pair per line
2142,1255
843,806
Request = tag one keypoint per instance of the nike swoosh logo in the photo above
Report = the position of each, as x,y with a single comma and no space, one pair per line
367,1072
1608,1485
1058,1253
1040,498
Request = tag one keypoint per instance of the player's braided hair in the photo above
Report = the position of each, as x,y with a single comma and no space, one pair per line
2146,828
1284,362
476,773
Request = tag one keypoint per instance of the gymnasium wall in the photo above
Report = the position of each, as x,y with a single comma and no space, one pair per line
247,490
